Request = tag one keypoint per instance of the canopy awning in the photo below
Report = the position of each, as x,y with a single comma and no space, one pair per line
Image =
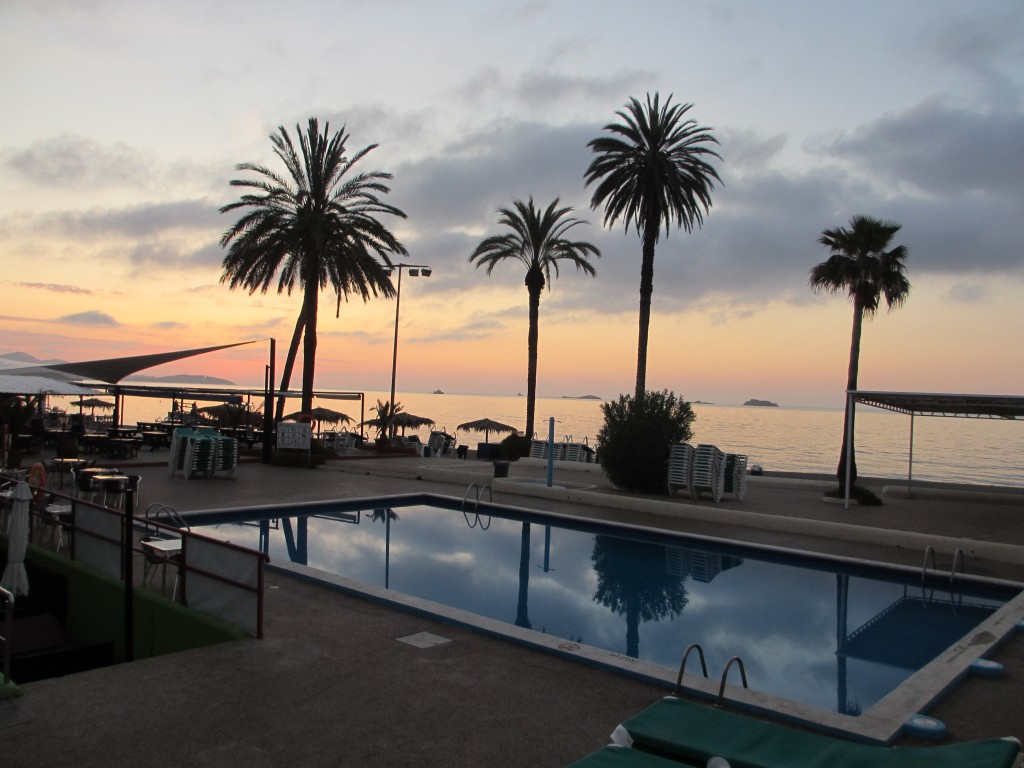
960,406
964,406
112,370
40,385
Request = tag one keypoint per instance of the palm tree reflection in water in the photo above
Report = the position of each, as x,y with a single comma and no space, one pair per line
385,515
633,580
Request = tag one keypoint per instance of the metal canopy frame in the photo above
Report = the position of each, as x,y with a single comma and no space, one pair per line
962,406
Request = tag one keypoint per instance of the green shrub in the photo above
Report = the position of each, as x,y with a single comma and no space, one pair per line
514,447
634,443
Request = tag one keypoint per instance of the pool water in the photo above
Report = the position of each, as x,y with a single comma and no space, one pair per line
831,634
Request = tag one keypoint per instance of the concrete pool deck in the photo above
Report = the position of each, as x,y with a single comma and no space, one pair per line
333,684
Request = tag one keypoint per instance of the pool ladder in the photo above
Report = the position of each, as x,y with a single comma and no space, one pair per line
704,670
476,506
929,557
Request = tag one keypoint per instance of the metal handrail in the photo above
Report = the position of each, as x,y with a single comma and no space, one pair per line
958,560
929,555
725,674
682,664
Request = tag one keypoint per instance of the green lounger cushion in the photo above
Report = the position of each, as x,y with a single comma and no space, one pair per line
684,730
622,757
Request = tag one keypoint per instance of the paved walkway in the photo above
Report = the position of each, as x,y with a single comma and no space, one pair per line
331,683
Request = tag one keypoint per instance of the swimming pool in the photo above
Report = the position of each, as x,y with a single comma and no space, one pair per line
832,634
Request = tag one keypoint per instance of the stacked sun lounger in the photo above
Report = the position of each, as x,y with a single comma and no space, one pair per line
440,443
708,472
735,474
202,451
675,732
539,449
680,468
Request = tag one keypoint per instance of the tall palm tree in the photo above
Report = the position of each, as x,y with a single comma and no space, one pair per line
652,170
315,227
538,241
861,263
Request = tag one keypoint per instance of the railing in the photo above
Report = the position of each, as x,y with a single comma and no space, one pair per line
219,578
8,599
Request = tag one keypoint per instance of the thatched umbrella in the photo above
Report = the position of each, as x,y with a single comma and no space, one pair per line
320,415
487,426
92,404
404,420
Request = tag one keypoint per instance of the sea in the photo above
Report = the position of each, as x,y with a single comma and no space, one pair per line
779,439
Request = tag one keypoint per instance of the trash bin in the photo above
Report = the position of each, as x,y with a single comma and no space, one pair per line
501,468
426,451
462,451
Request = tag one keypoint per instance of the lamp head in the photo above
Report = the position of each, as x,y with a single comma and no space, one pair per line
413,272
426,271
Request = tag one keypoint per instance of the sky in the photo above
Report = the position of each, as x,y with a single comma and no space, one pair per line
123,123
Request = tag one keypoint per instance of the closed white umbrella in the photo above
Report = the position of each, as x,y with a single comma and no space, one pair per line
15,577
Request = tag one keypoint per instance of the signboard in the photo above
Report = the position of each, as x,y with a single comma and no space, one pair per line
294,435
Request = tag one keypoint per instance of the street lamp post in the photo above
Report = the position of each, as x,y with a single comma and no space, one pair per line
415,270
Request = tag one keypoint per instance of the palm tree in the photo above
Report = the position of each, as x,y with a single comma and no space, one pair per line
538,241
653,169
862,264
315,227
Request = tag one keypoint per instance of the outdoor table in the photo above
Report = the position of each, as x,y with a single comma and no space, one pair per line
91,441
162,552
121,447
65,465
155,439
58,517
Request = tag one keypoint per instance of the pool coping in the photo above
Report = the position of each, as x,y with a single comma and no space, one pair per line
882,723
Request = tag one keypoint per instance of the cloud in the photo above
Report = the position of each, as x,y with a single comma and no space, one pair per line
987,47
92,318
967,293
56,288
940,151
71,162
77,162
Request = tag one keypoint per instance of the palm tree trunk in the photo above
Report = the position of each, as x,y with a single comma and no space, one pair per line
646,290
531,346
289,363
851,385
309,311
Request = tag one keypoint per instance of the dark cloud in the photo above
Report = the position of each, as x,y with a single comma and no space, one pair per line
953,177
92,318
940,151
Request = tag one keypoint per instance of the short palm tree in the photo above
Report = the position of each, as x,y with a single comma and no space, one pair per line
862,264
315,227
652,169
538,241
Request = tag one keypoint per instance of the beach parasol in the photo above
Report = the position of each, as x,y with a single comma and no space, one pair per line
320,415
487,426
15,578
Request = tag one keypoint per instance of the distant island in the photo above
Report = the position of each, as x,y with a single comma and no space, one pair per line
184,378
581,397
764,403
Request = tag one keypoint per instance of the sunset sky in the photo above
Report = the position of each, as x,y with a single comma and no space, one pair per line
123,121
